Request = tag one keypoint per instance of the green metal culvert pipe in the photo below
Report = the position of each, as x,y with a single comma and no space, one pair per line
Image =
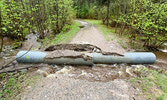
97,58
129,58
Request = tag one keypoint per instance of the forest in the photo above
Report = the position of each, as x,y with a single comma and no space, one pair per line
21,17
144,20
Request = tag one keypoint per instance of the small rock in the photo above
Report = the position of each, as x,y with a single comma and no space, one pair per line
154,67
128,71
120,73
29,87
43,73
137,89
14,62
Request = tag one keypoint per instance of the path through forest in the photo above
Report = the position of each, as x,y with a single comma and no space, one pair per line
89,83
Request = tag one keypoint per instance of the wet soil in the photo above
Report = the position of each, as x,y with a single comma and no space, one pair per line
161,59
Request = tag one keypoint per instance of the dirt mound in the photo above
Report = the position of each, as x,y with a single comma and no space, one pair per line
67,54
80,48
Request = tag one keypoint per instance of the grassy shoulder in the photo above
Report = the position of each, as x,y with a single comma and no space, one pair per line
152,83
12,84
109,32
63,37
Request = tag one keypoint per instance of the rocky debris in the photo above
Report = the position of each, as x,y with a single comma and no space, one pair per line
45,70
8,62
31,40
75,47
7,51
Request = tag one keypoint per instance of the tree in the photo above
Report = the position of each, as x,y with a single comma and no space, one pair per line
1,31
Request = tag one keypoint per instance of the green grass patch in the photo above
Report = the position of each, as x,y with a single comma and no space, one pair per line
66,37
13,84
152,83
63,37
122,44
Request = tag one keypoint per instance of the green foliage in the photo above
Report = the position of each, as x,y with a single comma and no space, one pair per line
13,22
60,15
19,17
149,20
90,9
145,20
16,44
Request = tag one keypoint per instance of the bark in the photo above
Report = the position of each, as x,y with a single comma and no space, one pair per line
1,43
1,32
108,10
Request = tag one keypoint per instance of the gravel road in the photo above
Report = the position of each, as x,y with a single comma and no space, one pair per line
60,86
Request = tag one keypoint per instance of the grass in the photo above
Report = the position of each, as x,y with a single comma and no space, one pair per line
67,36
13,84
63,37
122,44
152,83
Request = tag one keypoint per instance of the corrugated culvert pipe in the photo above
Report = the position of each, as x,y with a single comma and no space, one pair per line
86,59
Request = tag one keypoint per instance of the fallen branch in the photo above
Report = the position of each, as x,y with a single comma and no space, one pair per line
16,69
5,65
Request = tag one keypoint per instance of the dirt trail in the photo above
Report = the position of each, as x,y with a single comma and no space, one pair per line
60,86
91,35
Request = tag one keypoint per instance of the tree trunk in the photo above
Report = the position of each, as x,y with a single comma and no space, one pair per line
1,43
1,31
108,10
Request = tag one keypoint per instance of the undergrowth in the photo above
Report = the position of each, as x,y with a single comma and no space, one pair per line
152,83
12,84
